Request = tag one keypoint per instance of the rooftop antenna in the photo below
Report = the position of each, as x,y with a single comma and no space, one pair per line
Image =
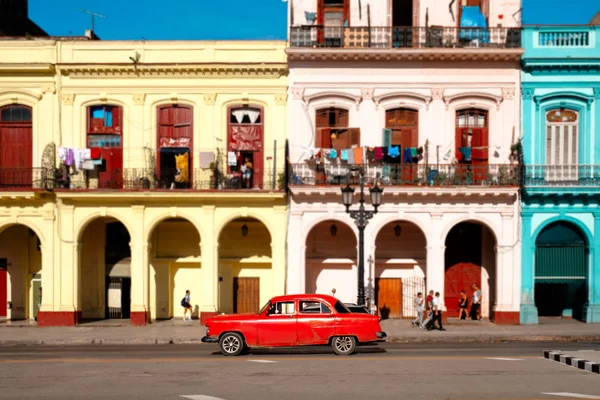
92,14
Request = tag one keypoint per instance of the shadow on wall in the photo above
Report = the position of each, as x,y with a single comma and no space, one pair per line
384,312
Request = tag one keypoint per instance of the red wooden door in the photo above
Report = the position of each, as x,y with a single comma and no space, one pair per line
388,292
3,291
175,129
459,277
16,140
111,175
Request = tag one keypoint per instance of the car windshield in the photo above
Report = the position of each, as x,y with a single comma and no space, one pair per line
340,308
262,310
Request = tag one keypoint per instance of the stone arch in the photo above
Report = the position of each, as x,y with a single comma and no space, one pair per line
85,222
379,224
31,225
24,97
473,99
319,99
238,215
475,219
589,237
415,101
345,219
156,221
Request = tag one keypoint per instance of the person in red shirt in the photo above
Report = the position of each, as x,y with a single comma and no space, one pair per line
429,308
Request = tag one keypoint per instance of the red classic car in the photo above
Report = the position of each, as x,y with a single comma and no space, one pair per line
295,320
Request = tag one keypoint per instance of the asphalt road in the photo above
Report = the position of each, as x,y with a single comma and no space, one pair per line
199,372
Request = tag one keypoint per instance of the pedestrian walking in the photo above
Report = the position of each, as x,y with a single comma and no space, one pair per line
476,303
419,307
429,309
332,294
187,306
437,312
463,304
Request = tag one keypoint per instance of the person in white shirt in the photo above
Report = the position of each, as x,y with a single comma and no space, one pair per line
419,307
476,303
437,312
332,294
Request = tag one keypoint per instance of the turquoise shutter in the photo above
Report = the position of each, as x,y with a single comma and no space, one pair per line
387,137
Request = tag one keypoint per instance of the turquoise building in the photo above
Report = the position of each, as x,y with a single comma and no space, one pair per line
561,187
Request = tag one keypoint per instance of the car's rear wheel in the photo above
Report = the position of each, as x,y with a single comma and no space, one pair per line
231,344
343,345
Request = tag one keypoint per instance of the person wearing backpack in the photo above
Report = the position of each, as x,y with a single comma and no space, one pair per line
187,306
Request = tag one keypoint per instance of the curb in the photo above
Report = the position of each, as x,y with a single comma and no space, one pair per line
492,338
556,355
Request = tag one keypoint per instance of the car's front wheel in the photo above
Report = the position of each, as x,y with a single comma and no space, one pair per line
231,344
343,345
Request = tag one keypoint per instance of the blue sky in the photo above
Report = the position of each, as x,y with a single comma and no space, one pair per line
226,19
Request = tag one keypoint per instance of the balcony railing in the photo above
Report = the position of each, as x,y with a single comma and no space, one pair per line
406,175
26,179
562,175
148,179
380,37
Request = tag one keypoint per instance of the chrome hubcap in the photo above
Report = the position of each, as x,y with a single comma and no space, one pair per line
343,344
231,344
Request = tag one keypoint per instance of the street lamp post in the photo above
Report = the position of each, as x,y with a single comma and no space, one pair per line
361,218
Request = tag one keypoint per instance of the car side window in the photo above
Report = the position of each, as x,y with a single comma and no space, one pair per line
282,308
313,307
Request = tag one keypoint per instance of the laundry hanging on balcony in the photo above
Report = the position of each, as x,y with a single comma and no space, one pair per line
473,25
245,137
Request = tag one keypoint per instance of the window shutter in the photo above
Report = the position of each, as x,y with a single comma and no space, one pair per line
323,138
387,137
321,12
480,145
354,134
322,118
118,119
346,12
458,137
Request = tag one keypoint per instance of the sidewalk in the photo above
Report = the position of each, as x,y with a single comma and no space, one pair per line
114,332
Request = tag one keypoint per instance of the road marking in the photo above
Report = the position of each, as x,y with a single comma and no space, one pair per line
231,359
504,359
201,397
573,395
262,361
428,350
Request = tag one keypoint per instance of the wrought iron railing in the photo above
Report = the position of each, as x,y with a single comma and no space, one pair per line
382,37
310,174
26,179
562,175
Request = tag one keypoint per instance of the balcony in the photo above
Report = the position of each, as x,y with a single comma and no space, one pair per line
543,44
396,42
562,176
147,179
26,179
443,175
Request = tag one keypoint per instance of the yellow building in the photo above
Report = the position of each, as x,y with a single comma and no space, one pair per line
132,171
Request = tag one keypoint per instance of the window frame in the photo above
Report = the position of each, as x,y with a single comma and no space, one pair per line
117,118
568,134
321,306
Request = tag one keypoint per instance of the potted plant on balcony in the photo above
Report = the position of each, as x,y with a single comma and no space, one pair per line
281,181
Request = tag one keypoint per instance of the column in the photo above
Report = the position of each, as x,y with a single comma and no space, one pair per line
210,266
296,262
529,313
278,250
140,294
591,311
504,313
596,135
528,128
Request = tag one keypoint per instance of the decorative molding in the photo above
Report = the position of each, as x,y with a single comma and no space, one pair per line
399,95
281,99
508,93
474,95
49,88
208,71
68,99
139,99
437,93
527,93
210,99
367,93
298,92
597,93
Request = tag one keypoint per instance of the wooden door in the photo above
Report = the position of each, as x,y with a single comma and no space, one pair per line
3,288
246,295
110,175
16,138
388,292
459,277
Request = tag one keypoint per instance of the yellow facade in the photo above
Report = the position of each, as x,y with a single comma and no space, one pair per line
198,238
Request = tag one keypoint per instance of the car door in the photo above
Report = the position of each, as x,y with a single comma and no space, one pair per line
278,326
316,322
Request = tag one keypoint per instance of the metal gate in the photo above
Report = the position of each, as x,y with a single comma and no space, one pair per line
118,298
410,287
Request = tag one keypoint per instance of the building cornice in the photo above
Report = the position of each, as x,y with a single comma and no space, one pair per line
462,54
175,70
27,68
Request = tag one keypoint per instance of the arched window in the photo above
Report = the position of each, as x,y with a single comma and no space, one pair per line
562,143
16,139
245,147
105,139
332,130
174,143
472,136
402,126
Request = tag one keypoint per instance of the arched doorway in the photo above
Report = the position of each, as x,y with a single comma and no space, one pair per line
561,269
175,266
470,258
20,273
331,261
16,139
400,266
105,271
245,266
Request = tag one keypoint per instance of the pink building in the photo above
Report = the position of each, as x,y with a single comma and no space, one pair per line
425,98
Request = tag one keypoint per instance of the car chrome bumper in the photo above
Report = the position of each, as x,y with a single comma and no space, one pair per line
209,339
381,335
